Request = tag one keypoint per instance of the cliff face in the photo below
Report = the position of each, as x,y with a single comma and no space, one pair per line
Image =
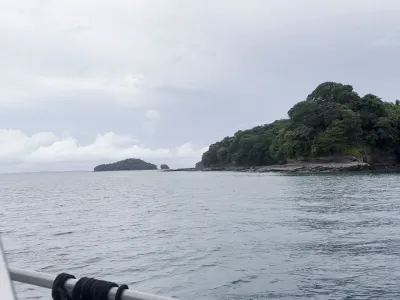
129,164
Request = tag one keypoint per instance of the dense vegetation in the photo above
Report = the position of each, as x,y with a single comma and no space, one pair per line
164,167
333,120
126,165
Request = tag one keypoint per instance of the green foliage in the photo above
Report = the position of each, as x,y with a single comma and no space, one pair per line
126,165
333,120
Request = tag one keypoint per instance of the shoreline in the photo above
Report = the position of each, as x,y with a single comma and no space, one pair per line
300,167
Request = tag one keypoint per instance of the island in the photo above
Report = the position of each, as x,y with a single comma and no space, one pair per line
129,164
333,129
164,167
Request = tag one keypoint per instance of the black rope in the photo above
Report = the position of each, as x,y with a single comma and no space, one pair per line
93,289
100,288
121,288
58,291
81,289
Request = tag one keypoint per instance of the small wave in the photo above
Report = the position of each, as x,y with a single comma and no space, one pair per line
46,268
62,233
240,281
92,260
208,265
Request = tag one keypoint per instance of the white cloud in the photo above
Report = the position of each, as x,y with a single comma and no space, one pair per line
46,147
186,150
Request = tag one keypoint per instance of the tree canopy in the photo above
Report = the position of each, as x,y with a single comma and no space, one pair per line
333,120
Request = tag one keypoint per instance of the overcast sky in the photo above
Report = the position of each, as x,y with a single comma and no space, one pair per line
85,82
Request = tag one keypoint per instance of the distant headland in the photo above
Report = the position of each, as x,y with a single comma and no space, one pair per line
130,164
333,129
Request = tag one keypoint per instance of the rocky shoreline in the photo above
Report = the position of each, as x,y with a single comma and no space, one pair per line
299,167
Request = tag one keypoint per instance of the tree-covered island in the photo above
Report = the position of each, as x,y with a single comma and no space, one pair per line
333,129
164,167
129,164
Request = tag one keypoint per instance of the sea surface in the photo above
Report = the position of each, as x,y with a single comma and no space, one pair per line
221,235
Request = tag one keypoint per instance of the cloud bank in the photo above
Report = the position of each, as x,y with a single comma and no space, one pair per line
48,148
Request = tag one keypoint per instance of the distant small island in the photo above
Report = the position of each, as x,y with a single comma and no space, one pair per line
164,167
130,164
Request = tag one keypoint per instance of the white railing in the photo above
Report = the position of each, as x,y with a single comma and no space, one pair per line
46,281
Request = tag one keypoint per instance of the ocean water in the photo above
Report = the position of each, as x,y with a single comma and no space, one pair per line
208,235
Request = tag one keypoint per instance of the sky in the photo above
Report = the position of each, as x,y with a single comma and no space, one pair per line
95,81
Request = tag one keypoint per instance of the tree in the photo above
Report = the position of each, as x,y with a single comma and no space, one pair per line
332,140
370,108
386,132
306,113
333,92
